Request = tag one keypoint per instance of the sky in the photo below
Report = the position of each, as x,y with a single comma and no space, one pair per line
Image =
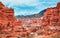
29,7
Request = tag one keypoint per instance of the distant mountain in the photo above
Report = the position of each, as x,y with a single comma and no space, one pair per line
34,15
42,12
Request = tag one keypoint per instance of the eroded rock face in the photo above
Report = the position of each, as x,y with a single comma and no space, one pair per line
51,16
7,19
6,15
10,27
51,19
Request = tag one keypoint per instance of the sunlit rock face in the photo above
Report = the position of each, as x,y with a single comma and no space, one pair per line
52,16
10,27
6,15
51,19
7,21
48,24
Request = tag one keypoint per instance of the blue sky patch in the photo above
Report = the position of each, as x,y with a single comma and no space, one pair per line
29,7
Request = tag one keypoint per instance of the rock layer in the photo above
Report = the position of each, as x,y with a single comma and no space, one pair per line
10,27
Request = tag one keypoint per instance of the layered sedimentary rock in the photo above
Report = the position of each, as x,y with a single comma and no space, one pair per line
10,27
6,15
51,16
51,19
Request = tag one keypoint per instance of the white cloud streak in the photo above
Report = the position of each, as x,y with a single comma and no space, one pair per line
21,2
39,5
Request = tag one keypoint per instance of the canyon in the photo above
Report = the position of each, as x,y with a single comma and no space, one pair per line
11,27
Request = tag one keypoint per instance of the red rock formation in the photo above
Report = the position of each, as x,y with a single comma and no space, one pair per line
51,18
1,6
9,24
12,27
58,5
6,15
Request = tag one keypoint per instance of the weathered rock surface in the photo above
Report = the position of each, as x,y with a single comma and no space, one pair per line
51,20
10,27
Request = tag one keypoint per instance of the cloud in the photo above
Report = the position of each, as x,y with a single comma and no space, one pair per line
50,1
21,2
26,7
22,7
25,12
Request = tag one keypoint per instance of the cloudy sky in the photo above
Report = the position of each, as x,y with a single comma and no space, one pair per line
28,7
